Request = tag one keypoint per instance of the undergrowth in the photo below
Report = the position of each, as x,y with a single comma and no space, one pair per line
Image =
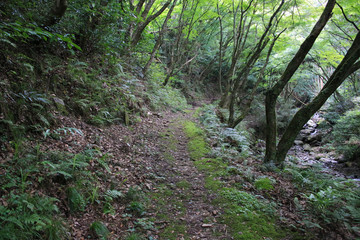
164,96
332,203
37,184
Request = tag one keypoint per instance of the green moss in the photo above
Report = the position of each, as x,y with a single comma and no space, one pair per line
197,112
263,184
216,166
251,226
213,184
168,156
197,146
247,217
183,184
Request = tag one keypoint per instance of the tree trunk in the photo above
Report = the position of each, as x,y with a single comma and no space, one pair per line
251,60
140,28
274,92
344,69
159,40
246,108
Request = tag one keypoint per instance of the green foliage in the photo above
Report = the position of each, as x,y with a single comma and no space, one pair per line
246,203
137,208
29,111
76,201
264,184
133,236
145,224
35,216
331,201
110,196
100,230
161,96
198,148
231,143
347,135
12,33
133,194
30,217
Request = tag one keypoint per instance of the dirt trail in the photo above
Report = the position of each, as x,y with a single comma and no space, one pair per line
183,208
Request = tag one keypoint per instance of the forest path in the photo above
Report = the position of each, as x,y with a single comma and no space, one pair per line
181,203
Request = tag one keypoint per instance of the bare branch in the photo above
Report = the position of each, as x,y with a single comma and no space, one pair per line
347,19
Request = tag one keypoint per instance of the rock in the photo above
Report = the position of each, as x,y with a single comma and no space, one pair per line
298,142
311,124
59,104
349,164
342,159
206,225
307,147
319,156
307,131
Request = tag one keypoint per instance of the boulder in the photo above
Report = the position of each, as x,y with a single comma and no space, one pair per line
307,147
60,105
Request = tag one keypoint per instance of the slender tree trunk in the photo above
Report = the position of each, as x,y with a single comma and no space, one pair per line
247,107
140,28
274,92
159,40
220,49
252,59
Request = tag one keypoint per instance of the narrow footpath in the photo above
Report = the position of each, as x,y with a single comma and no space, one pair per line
182,205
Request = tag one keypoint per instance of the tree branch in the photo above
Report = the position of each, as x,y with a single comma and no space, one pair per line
347,19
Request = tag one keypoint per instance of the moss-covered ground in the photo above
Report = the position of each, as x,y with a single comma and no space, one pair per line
246,216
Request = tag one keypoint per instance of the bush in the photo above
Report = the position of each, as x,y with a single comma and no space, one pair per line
347,135
30,217
164,96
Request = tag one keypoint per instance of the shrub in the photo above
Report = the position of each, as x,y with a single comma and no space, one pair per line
100,230
30,217
164,96
347,135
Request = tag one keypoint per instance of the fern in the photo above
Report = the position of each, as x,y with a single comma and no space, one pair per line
75,200
102,162
100,230
114,194
29,217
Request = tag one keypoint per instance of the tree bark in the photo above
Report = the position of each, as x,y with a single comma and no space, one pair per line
247,107
274,92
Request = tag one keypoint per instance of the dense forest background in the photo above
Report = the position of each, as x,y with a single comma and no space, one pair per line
272,83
